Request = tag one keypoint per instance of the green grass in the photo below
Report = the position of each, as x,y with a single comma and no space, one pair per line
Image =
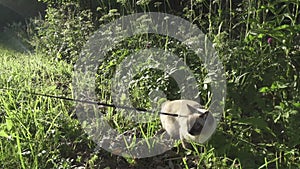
259,128
35,130
39,132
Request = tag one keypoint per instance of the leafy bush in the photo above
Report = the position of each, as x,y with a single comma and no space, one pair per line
63,32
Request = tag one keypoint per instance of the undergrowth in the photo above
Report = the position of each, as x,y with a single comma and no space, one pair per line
257,42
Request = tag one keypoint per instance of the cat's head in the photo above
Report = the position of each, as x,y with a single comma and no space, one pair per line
200,124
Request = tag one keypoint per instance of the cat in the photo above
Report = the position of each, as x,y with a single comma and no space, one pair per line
193,123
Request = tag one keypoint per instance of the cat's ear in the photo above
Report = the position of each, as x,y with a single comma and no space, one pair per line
197,110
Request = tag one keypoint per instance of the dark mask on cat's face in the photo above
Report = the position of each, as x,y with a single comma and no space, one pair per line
199,117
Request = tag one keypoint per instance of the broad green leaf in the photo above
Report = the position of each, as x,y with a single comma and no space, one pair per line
260,36
264,90
3,134
297,104
9,124
282,27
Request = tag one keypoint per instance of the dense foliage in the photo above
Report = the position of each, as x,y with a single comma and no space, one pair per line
258,43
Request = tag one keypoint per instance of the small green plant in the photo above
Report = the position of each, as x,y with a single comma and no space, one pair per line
64,31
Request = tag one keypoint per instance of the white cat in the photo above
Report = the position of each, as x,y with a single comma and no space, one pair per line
193,123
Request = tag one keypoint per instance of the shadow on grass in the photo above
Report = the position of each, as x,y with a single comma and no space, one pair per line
10,41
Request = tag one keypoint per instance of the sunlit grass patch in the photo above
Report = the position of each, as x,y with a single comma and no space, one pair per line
35,130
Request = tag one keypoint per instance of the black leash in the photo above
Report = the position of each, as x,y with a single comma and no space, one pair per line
88,102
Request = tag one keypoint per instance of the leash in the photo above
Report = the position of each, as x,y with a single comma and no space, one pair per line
89,102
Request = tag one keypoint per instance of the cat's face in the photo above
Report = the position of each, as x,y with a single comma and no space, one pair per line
197,120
